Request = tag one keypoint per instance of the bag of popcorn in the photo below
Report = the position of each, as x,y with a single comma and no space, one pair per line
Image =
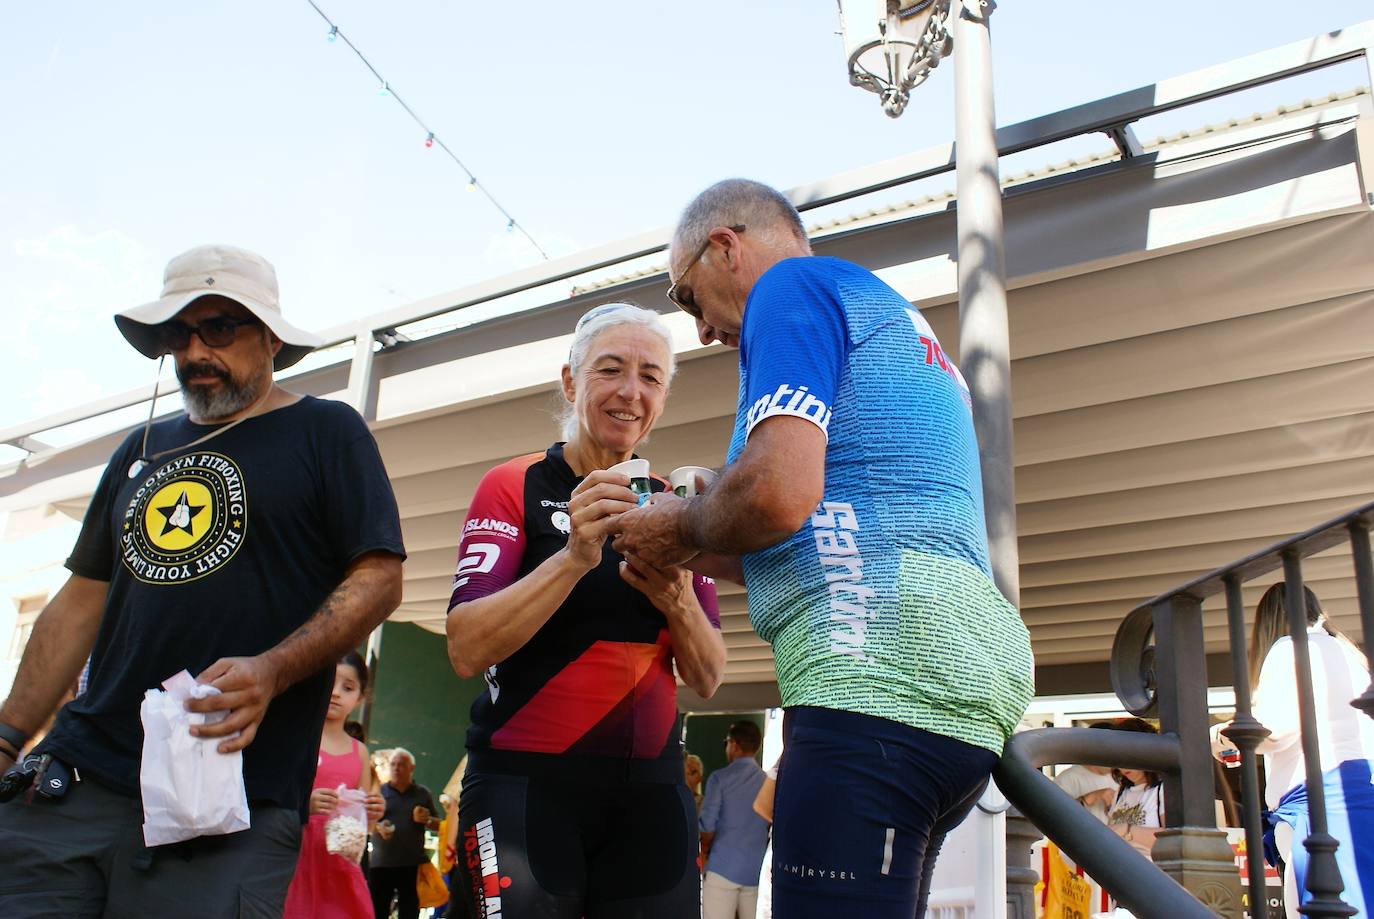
345,832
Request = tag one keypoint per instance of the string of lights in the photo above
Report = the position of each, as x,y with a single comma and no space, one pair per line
431,138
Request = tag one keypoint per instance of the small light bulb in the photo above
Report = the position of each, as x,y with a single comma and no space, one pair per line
472,184
429,141
333,33
510,226
384,89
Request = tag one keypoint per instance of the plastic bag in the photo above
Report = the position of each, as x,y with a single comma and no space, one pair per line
1068,896
345,832
430,888
189,788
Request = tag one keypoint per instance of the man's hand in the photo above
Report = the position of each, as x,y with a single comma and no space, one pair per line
420,814
323,800
246,686
651,532
1103,796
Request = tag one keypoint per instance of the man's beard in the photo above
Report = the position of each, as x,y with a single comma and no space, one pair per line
208,402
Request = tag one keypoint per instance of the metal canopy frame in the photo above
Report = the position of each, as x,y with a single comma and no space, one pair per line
1112,116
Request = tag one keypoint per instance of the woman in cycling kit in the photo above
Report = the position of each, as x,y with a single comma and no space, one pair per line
573,802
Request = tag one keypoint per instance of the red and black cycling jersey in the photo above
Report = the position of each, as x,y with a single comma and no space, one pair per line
597,678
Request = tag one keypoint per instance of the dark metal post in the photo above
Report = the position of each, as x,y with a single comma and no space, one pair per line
1246,733
1191,850
1364,587
1181,667
1021,877
1323,874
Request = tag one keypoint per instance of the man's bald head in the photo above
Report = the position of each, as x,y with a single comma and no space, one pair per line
766,213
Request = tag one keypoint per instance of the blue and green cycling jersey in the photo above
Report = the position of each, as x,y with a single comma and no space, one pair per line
883,602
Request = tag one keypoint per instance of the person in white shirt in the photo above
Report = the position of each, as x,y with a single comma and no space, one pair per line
1345,743
1137,810
1091,786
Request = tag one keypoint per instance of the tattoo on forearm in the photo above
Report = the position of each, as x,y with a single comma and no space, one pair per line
328,632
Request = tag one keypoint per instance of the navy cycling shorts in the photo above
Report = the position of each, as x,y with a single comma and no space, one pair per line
863,805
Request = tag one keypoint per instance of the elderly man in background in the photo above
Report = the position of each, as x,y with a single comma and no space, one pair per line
398,842
250,541
852,509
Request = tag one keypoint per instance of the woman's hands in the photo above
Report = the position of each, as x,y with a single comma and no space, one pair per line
668,589
323,801
596,504
375,805
1141,838
698,649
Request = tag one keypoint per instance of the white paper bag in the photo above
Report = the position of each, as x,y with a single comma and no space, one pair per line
189,788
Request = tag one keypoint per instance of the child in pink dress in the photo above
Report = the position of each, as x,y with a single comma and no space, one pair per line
329,886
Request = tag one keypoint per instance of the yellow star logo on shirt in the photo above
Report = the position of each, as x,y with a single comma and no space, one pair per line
179,515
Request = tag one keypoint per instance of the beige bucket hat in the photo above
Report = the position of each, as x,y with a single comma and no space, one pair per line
244,277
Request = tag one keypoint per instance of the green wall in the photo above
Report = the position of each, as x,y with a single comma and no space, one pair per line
419,702
706,738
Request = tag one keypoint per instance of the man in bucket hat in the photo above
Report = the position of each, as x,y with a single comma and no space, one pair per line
250,541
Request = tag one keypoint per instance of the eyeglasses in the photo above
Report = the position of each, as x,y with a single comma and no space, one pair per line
688,303
215,332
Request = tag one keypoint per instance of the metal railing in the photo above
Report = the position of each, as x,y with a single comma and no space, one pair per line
1159,668
1137,883
1139,675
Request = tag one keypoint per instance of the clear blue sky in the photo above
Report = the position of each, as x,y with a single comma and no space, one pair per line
135,131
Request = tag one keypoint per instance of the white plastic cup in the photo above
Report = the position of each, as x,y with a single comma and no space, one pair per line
683,480
638,471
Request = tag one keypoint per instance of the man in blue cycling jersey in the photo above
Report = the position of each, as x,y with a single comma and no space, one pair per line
852,510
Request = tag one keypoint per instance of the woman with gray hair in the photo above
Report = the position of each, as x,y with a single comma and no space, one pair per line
573,802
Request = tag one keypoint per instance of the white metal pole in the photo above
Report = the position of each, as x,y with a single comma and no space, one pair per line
990,887
984,349
371,657
361,396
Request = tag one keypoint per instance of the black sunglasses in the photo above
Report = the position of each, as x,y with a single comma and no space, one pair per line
216,332
688,303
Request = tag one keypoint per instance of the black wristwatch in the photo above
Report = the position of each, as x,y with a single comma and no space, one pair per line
13,736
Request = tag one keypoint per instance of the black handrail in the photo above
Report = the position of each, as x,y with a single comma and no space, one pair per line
1158,666
1135,881
1142,684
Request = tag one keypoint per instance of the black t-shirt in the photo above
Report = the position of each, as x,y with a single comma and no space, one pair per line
595,681
406,846
222,550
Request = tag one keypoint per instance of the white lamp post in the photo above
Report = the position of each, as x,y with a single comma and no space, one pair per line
891,47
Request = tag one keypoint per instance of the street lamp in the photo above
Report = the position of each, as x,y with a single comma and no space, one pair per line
891,46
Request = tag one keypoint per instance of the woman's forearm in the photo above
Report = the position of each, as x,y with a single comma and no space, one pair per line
698,648
489,629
